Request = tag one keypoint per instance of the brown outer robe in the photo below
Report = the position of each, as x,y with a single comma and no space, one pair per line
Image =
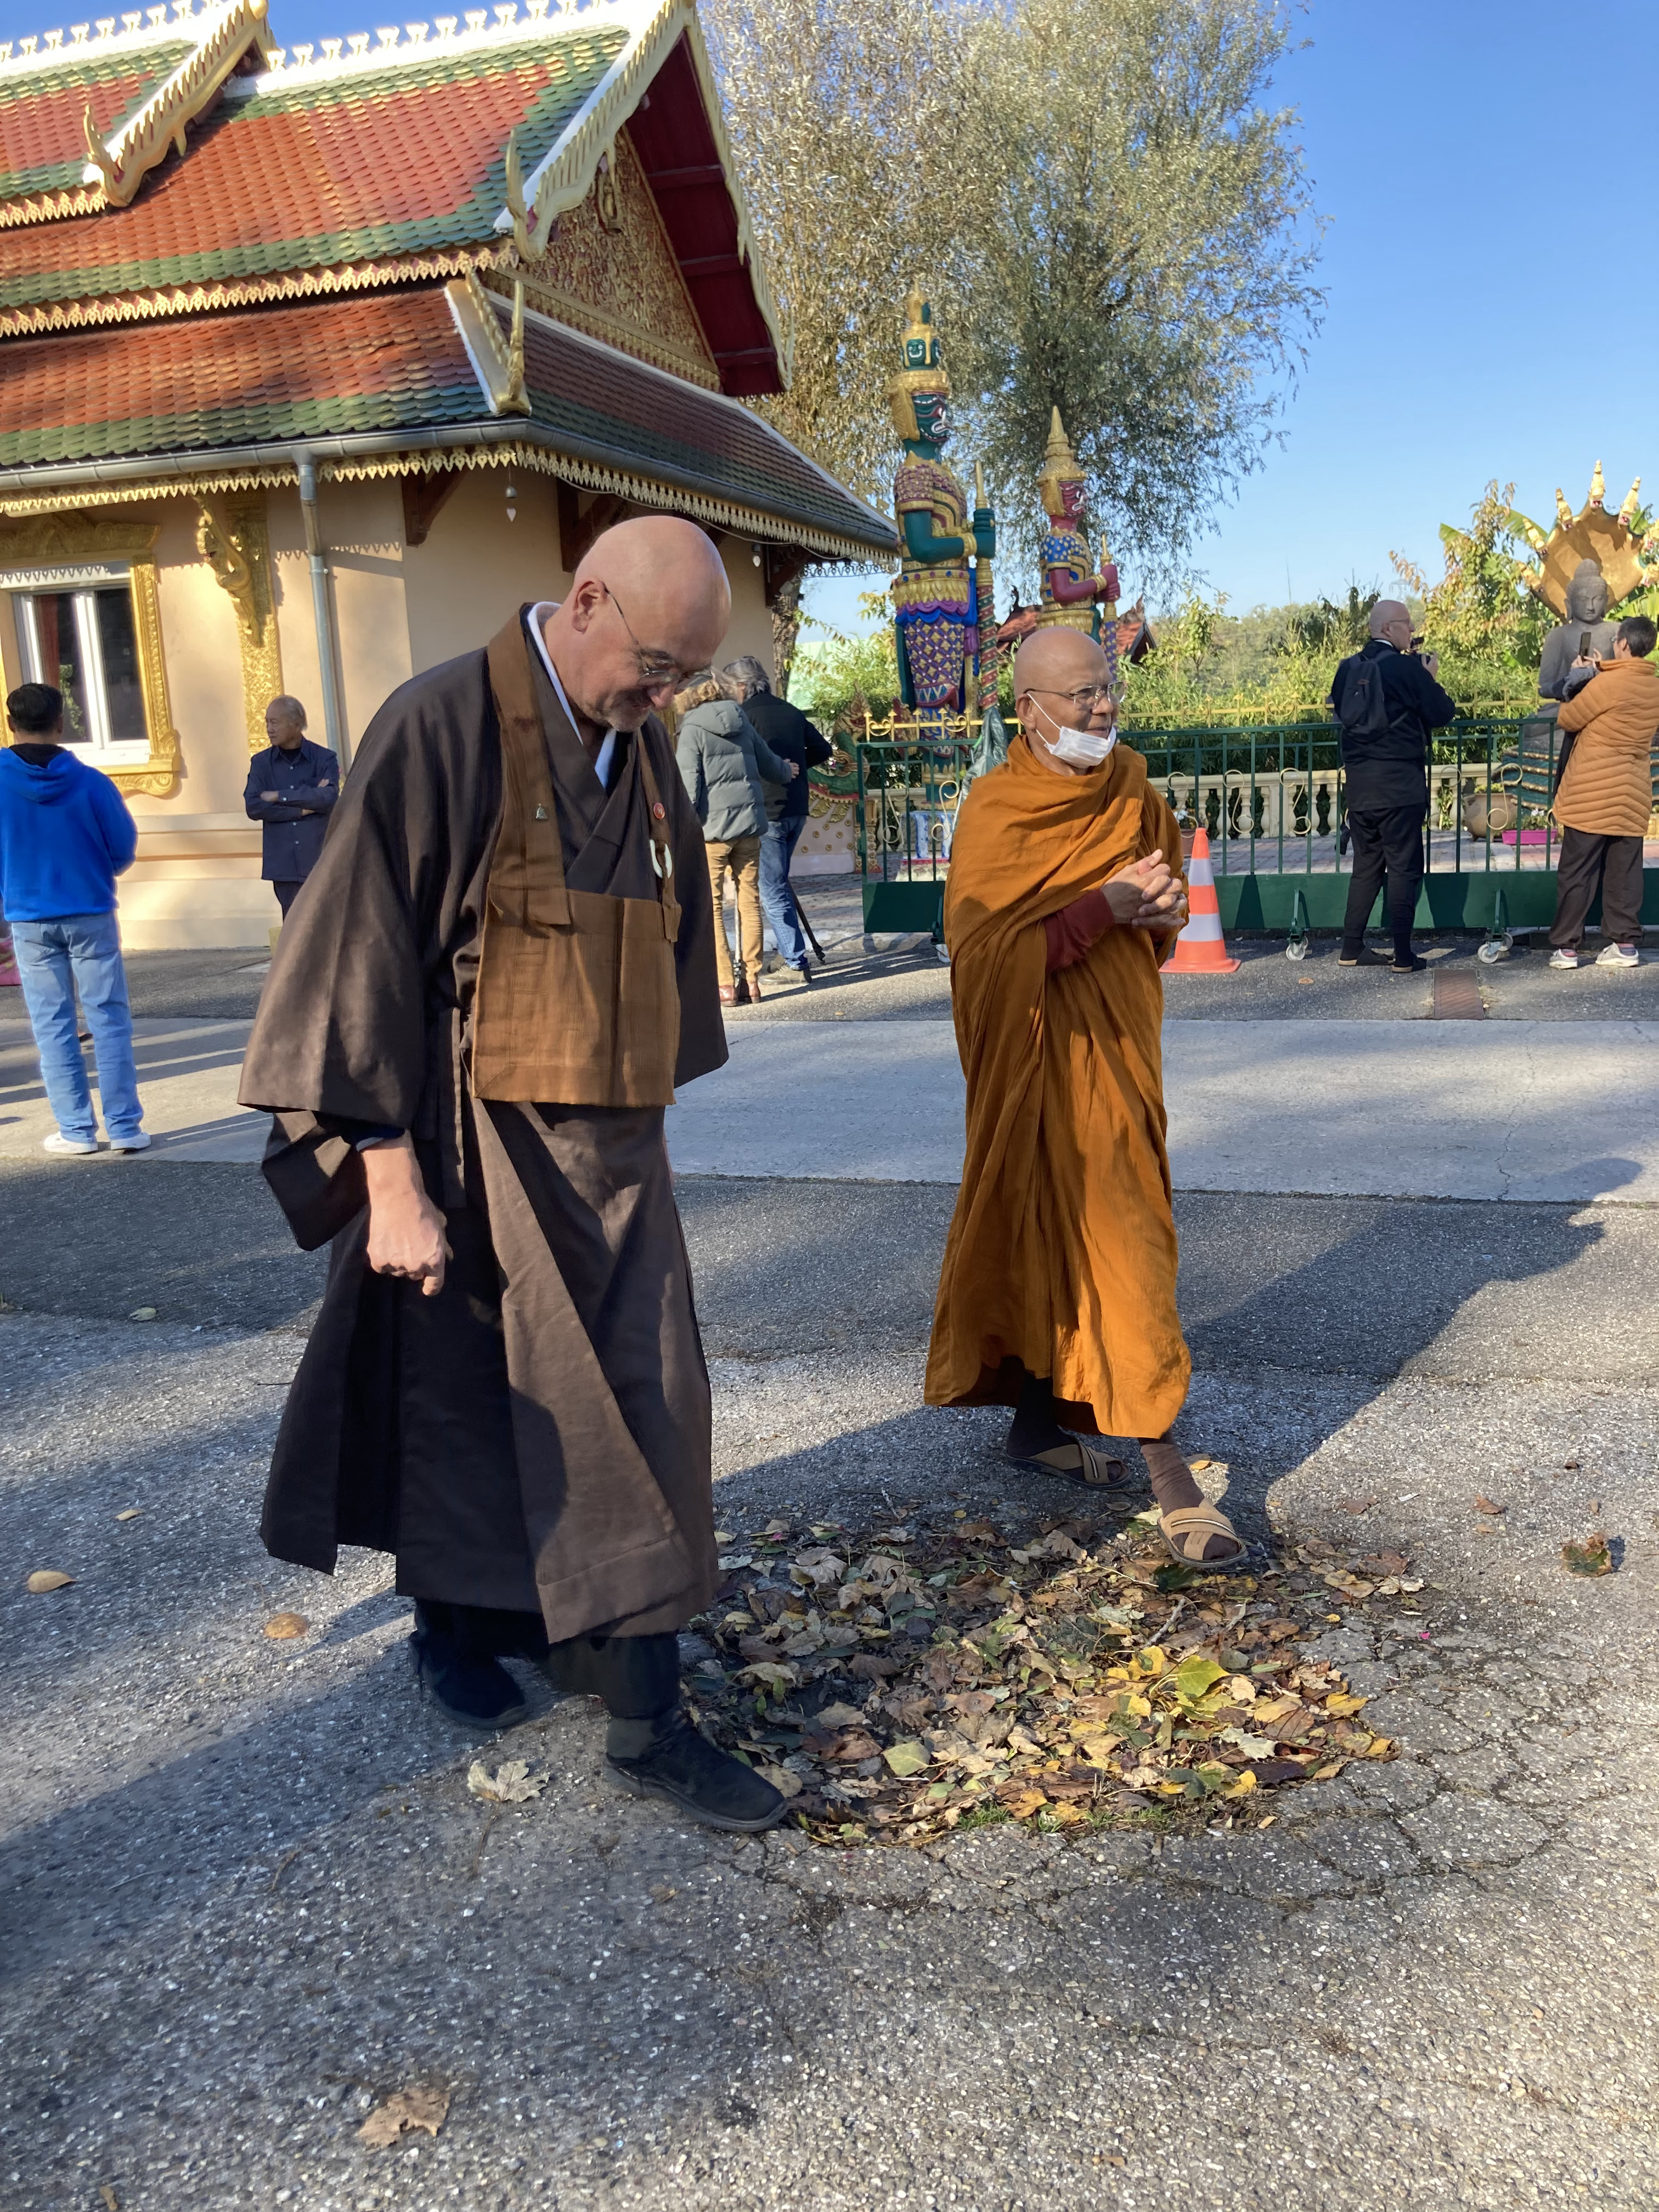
1060,1262
537,1434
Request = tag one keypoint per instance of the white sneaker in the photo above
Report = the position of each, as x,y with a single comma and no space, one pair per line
1563,957
1619,955
57,1142
138,1142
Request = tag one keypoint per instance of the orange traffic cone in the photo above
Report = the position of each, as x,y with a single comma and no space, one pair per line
1200,949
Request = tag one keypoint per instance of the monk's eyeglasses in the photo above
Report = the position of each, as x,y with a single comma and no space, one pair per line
655,670
1083,701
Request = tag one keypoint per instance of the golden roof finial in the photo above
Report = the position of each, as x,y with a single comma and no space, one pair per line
1564,514
1632,501
1059,461
1598,486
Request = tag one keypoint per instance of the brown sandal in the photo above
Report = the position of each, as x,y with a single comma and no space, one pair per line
1181,1524
1093,1470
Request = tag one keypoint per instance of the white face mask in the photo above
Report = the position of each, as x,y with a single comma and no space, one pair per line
1082,748
1077,748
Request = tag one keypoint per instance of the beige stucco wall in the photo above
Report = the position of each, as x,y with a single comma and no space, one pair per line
362,528
476,567
397,610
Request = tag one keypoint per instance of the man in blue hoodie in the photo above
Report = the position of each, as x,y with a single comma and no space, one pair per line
65,834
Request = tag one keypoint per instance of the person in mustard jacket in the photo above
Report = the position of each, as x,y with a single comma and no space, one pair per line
1605,798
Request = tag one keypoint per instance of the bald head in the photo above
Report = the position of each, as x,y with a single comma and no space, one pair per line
1059,678
649,602
1392,619
1059,658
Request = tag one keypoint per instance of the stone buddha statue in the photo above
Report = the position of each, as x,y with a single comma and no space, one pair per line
1587,608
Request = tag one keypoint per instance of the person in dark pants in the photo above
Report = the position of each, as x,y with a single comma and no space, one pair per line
1604,797
1385,756
291,786
792,738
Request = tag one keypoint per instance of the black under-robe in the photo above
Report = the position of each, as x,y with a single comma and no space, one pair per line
536,1437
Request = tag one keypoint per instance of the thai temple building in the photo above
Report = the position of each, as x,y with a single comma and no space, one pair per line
314,363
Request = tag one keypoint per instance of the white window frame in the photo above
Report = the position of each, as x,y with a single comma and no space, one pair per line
81,579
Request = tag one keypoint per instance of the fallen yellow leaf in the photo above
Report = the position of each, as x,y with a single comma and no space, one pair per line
1024,1803
133,1513
425,2107
48,1578
1341,1704
283,1627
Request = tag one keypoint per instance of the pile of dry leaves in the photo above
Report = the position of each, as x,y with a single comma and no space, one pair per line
897,1683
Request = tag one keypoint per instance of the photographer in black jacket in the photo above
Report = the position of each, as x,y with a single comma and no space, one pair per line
1386,700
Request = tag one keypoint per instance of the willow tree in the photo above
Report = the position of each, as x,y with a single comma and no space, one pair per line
1108,216
1140,255
852,129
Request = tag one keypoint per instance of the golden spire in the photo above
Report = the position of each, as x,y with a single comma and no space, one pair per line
1564,515
1598,486
1627,512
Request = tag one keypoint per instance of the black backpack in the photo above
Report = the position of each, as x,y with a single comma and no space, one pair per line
1364,710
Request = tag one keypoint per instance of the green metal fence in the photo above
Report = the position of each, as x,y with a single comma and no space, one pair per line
1273,800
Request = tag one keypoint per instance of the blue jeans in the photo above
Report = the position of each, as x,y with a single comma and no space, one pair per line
777,900
54,958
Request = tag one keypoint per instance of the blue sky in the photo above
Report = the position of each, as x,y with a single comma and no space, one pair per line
1478,181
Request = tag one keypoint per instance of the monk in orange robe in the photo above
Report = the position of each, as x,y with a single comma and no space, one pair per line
1058,1295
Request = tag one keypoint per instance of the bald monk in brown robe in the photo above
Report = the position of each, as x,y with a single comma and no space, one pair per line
502,966
1058,1294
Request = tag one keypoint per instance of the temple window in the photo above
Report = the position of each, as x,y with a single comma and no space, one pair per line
76,629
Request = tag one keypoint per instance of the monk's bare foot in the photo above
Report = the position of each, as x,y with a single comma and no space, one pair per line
1176,1491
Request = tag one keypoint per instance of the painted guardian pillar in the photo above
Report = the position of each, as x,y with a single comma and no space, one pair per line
934,597
1074,592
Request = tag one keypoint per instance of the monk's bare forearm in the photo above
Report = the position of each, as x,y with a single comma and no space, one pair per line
405,1229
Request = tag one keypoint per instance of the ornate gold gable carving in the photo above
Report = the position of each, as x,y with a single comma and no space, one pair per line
611,272
45,540
236,544
117,166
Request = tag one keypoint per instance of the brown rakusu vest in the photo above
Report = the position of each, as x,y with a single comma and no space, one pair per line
577,999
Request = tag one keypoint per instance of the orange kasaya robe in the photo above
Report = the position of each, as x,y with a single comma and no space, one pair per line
1061,1257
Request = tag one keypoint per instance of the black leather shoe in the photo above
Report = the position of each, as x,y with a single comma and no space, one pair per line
1415,966
474,1693
1363,958
680,1764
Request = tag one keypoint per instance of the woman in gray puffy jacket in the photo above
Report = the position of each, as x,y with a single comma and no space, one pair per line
723,759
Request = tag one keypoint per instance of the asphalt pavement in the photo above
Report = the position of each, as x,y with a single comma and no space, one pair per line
248,1897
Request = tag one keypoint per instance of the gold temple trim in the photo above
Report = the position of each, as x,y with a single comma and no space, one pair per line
121,163
40,542
236,545
498,362
565,177
50,207
638,491
207,298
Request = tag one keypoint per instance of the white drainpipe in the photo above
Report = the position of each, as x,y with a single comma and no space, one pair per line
333,719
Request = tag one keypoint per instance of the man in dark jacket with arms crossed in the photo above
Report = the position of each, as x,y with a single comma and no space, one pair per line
1387,701
291,788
